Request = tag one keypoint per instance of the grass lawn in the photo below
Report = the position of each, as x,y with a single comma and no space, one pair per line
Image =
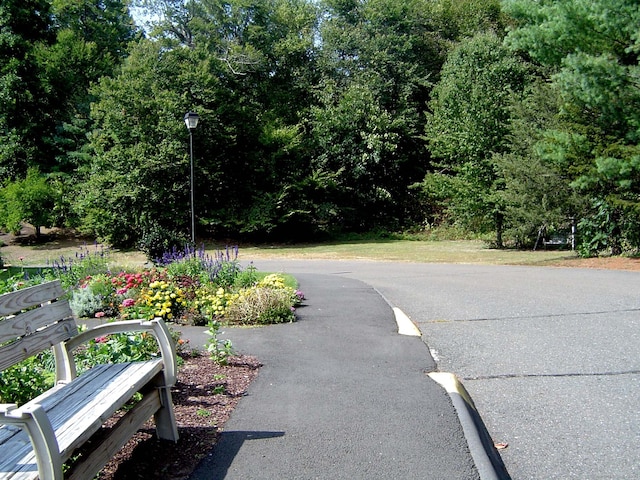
421,251
441,251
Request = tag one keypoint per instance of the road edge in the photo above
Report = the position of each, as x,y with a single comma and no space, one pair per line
488,461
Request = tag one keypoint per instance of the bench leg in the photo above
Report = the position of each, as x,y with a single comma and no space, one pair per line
165,418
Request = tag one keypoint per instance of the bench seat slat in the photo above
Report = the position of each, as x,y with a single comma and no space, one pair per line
104,399
76,411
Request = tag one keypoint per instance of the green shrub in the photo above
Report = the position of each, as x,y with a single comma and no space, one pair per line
86,263
85,303
24,381
191,267
227,273
18,282
157,240
117,348
247,278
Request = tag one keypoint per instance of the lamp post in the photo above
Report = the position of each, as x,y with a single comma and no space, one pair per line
191,121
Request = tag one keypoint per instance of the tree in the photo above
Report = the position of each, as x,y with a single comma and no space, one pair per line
92,40
232,63
26,24
311,113
591,49
31,200
50,54
468,124
139,168
378,61
537,193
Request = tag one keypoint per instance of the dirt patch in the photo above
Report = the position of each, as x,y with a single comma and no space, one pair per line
26,249
49,239
605,263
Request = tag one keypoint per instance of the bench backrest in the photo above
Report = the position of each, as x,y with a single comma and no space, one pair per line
33,320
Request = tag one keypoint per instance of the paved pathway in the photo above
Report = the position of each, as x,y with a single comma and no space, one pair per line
340,396
550,356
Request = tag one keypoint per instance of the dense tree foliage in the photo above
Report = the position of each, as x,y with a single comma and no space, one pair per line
378,60
50,54
590,51
25,26
468,125
326,116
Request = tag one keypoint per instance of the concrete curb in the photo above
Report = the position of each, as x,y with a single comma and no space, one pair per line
405,324
483,452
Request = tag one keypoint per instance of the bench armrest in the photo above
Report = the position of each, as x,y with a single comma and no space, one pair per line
34,420
156,326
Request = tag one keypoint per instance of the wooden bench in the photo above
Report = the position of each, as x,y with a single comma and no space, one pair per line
37,438
556,241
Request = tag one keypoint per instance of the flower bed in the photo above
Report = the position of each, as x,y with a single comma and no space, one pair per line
184,287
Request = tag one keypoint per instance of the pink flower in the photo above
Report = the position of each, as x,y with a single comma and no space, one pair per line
100,314
128,302
121,291
101,340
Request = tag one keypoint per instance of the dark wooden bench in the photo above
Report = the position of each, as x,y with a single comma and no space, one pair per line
37,438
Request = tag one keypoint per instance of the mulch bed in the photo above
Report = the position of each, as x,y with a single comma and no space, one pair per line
204,397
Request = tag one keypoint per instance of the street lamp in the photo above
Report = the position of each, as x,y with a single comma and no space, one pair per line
191,121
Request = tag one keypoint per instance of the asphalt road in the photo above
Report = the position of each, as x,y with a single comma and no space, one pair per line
550,356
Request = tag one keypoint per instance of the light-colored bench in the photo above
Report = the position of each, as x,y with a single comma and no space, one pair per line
37,438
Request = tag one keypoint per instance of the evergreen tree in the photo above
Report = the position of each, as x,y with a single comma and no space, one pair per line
591,49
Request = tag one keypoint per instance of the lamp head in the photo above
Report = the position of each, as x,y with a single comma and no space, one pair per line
191,120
